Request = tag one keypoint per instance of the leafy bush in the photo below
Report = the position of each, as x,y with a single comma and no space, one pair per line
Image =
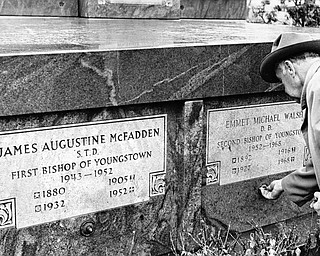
294,12
305,15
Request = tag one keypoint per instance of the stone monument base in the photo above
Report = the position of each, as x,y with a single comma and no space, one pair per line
120,137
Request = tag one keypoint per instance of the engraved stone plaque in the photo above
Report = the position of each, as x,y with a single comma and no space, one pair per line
58,172
254,141
141,9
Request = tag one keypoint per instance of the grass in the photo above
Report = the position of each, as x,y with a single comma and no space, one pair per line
285,242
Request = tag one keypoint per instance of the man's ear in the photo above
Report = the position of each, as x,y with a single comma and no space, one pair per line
289,67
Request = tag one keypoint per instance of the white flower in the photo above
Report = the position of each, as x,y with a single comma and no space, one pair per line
272,242
297,251
272,252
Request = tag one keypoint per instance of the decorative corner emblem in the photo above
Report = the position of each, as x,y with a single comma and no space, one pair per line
213,171
7,213
157,183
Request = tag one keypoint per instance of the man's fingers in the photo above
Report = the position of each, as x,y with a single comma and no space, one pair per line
266,192
272,191
315,204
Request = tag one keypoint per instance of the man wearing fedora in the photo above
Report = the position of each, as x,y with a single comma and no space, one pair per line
294,61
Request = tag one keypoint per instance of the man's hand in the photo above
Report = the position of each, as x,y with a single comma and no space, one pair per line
273,191
316,202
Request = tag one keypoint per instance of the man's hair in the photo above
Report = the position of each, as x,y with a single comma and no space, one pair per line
302,56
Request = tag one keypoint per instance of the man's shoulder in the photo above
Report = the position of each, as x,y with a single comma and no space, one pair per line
313,78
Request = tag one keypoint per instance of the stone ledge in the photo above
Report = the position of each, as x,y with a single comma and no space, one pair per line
45,35
101,63
71,81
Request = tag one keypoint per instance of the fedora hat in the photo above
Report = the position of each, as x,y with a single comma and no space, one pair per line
286,46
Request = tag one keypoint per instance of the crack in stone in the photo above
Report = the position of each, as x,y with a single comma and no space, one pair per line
203,76
106,73
164,81
196,80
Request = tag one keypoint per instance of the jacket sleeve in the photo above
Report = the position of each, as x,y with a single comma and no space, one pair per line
301,184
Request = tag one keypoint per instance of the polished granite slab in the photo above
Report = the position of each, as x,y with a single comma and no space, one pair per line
219,9
51,64
39,8
35,35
